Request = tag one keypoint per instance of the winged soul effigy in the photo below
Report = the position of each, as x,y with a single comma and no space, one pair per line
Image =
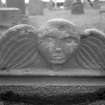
58,44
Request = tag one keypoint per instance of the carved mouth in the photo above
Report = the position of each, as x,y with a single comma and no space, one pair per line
58,56
58,59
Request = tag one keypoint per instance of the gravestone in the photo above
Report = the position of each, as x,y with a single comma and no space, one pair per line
97,4
9,16
58,45
77,8
17,4
53,46
35,7
1,4
68,4
51,5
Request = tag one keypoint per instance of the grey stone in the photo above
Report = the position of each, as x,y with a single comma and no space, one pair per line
59,92
15,44
57,45
77,8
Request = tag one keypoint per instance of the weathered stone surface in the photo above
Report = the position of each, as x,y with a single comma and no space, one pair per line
49,90
10,16
77,8
92,49
68,4
56,45
35,7
17,4
76,95
58,39
83,51
16,46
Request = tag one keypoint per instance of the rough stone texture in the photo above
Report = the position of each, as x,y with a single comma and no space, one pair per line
22,47
35,7
15,44
48,91
88,53
68,4
10,16
94,44
77,8
17,3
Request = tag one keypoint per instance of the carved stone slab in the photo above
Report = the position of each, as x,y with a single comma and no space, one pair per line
73,95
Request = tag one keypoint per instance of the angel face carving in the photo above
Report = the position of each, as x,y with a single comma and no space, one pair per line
57,46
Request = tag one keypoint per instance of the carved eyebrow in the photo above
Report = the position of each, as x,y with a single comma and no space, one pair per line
67,37
48,36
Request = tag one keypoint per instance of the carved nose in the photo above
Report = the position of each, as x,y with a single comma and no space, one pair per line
58,49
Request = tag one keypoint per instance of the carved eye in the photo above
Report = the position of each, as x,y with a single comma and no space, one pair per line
49,40
68,40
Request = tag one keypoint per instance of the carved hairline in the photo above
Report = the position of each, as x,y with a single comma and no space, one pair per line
60,20
50,26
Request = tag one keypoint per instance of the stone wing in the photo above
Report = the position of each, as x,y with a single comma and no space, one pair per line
18,47
91,53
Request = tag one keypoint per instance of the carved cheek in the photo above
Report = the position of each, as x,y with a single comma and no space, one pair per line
50,46
70,47
47,47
